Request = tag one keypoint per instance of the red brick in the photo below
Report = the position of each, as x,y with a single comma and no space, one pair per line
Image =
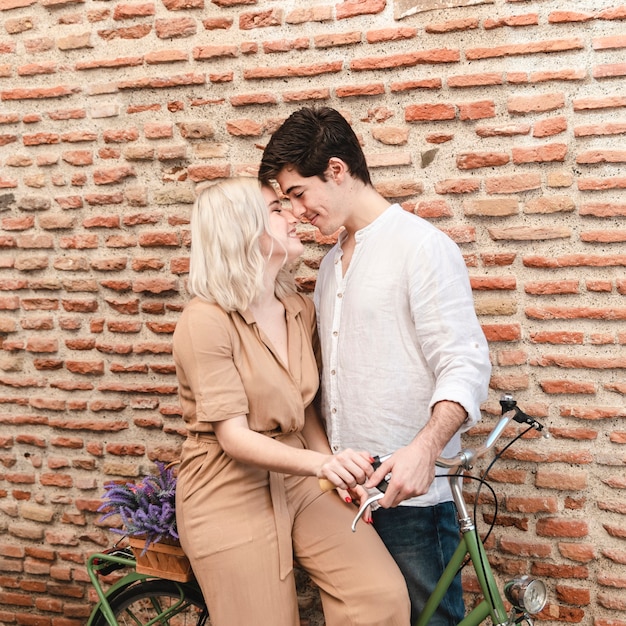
352,8
390,34
429,112
601,156
476,80
534,104
473,160
566,74
528,19
410,85
502,332
573,595
253,98
457,185
336,39
513,184
550,127
592,103
130,11
442,55
548,46
292,71
476,110
558,17
609,42
602,183
540,154
131,32
260,19
451,26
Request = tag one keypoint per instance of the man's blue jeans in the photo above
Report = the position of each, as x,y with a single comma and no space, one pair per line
422,540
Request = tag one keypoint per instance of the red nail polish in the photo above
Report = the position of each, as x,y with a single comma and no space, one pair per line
348,499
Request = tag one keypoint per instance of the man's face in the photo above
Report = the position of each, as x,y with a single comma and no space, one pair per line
317,199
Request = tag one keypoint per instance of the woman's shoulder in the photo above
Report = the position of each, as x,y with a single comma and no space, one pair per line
209,311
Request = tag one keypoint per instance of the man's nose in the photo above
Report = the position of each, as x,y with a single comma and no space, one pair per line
297,209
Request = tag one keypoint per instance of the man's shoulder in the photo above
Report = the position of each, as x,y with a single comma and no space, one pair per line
407,226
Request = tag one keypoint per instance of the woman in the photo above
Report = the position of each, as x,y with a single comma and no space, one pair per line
248,500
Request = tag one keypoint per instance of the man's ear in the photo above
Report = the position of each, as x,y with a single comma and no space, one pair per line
336,170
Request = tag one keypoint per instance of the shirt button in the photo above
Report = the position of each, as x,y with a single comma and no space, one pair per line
335,448
340,295
335,333
332,372
333,410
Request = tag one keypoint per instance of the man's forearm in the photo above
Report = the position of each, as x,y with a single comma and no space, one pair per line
445,420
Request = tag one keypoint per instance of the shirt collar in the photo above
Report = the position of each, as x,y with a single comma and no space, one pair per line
292,303
379,222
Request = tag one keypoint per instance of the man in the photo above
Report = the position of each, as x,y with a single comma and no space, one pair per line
405,363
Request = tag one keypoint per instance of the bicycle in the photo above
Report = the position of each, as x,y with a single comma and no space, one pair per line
526,595
142,599
145,599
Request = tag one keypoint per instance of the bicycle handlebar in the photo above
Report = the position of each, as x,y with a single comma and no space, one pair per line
465,458
511,412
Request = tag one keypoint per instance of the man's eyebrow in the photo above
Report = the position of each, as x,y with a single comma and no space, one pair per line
290,189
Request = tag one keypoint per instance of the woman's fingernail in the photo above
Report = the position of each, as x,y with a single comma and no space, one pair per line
348,499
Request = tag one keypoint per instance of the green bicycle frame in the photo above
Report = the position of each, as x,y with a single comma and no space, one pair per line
472,545
103,605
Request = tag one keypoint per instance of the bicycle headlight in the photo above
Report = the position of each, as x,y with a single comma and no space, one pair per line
526,594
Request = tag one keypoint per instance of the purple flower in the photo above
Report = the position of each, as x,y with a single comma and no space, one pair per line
146,509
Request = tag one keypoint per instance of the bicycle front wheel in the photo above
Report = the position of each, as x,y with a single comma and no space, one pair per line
159,602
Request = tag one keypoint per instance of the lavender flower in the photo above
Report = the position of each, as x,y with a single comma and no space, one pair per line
145,508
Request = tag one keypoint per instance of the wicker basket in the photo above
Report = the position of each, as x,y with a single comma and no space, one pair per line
162,559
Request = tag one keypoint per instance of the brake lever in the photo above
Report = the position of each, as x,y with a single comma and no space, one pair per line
370,500
381,486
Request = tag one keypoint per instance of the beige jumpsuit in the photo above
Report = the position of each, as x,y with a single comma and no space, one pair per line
241,526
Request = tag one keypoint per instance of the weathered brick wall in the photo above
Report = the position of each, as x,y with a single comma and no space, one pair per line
501,121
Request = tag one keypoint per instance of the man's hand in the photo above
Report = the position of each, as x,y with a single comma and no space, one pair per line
412,468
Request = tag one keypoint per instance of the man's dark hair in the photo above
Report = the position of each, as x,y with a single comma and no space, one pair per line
306,141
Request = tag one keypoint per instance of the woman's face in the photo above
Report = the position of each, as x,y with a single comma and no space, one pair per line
283,240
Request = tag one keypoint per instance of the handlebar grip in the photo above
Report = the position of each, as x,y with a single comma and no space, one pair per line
325,484
383,484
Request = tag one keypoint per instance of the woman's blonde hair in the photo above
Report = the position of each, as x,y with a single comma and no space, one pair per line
226,262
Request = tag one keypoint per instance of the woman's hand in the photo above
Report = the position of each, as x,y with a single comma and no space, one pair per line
359,495
347,469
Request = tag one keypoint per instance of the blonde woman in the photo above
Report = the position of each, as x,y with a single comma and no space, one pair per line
248,499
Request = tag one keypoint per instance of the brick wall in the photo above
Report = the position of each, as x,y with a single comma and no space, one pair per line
501,121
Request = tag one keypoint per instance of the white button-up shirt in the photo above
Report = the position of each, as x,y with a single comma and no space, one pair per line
398,334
